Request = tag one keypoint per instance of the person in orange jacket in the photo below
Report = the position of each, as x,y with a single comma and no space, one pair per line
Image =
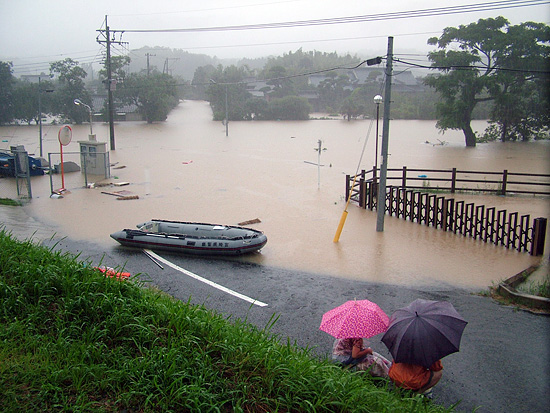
416,378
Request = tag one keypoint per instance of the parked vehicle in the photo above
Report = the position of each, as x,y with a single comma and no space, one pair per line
7,164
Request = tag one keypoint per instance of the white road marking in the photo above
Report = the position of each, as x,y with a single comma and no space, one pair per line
204,280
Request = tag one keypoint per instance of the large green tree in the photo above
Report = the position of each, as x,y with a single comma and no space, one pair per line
119,69
352,108
476,61
154,95
289,108
227,92
70,78
7,82
521,108
332,90
201,81
25,101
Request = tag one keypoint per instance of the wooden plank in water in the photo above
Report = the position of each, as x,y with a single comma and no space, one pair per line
124,198
252,221
118,193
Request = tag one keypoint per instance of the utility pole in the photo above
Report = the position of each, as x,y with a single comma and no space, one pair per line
166,69
381,202
226,114
111,83
148,67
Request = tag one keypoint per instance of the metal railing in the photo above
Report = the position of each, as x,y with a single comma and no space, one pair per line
92,164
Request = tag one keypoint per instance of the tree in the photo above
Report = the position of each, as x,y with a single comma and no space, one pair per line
474,60
6,91
351,108
521,108
227,85
289,108
119,65
277,77
70,77
154,95
331,90
201,81
26,98
256,109
25,102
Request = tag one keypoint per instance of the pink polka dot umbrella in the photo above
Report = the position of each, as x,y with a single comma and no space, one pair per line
354,319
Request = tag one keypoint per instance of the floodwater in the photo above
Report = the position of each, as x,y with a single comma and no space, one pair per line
186,169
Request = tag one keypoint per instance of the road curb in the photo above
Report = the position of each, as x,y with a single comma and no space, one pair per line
508,290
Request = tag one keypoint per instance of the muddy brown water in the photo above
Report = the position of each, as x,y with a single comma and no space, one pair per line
187,169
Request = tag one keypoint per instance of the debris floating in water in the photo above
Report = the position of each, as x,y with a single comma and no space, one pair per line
118,193
252,221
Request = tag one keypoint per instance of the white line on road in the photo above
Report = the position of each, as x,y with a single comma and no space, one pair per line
204,280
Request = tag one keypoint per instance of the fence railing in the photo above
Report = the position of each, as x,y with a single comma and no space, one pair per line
453,180
477,221
92,164
17,166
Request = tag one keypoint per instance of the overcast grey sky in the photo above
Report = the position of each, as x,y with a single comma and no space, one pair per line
36,32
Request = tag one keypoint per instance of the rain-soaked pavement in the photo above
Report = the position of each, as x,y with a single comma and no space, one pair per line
504,360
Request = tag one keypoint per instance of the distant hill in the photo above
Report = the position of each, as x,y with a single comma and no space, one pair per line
180,63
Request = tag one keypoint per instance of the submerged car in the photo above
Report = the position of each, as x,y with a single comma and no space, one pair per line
7,165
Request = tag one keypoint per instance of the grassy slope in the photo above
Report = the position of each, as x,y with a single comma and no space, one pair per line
72,339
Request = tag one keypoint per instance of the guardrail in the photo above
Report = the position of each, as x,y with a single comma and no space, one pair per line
477,221
453,180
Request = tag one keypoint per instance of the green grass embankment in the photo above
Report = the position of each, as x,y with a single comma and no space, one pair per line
74,340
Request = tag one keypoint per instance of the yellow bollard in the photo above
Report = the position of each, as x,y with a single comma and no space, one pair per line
340,226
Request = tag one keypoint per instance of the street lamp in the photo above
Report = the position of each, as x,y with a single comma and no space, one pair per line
40,111
226,121
78,102
377,100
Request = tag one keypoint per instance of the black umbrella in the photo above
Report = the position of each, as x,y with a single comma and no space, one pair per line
424,332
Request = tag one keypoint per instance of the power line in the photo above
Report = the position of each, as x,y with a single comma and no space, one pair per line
337,39
468,67
314,72
439,11
208,9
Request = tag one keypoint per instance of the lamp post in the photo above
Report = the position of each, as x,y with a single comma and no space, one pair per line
377,100
78,102
40,114
226,120
40,110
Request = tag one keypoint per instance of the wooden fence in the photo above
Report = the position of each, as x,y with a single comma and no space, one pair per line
477,221
453,180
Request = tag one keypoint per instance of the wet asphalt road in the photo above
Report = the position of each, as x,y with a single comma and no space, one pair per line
504,359
503,364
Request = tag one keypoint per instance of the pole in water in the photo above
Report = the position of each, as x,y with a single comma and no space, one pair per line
62,170
64,136
344,214
340,226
